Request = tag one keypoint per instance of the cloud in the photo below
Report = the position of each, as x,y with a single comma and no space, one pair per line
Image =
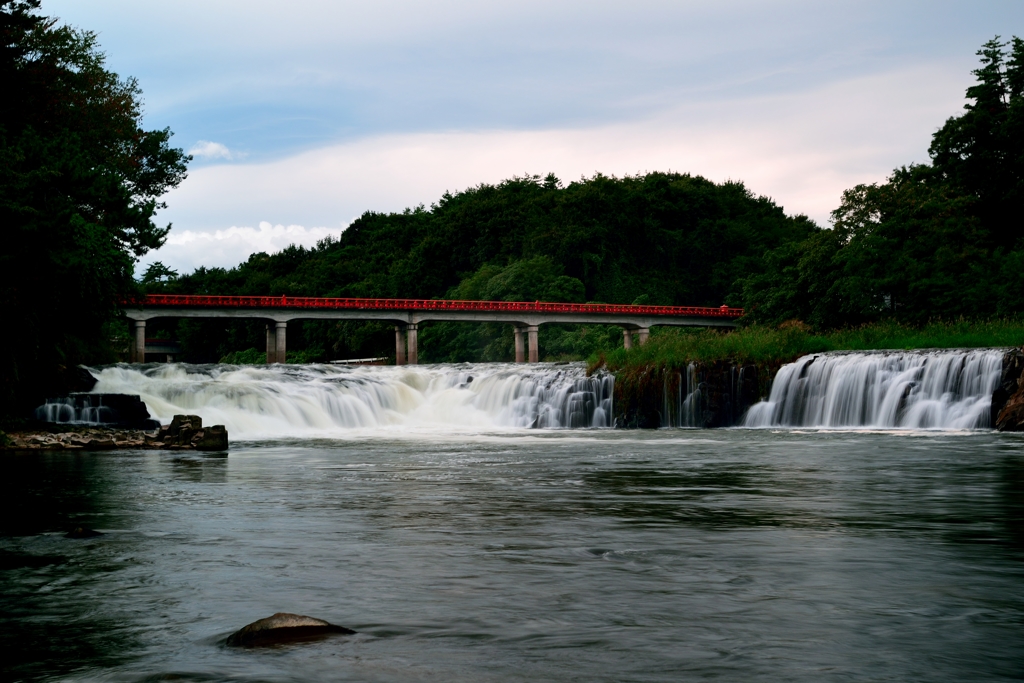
186,250
278,78
801,150
204,149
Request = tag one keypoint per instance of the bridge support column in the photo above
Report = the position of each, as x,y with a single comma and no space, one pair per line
413,344
642,334
138,351
531,334
627,338
520,344
400,345
280,345
271,345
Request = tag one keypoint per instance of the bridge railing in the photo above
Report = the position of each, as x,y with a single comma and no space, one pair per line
208,301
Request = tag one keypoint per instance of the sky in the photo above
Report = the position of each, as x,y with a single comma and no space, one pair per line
303,115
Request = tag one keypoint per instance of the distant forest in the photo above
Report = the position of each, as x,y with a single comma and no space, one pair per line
936,241
660,238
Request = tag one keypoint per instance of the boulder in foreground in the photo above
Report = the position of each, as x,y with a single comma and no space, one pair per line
187,432
283,628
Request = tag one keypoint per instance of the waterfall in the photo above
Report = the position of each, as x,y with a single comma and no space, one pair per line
886,389
686,409
74,410
325,400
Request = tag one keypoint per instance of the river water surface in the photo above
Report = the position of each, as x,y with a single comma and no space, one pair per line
513,555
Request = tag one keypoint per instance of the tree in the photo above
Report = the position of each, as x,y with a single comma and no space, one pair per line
935,241
981,152
660,238
80,182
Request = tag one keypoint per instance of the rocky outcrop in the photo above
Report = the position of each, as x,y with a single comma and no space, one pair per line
186,432
283,628
1008,398
88,439
715,394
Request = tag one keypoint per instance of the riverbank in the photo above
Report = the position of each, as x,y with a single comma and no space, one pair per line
185,432
771,347
76,439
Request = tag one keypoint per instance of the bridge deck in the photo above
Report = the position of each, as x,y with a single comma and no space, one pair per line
284,308
407,314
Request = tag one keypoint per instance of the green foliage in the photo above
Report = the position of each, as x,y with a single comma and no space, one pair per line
764,344
158,272
310,355
934,241
250,356
79,186
664,238
253,356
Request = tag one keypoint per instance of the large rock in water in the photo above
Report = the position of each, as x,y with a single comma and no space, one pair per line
283,628
1011,417
1013,366
187,432
1008,398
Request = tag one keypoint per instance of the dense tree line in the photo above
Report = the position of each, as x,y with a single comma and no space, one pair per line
936,241
662,238
80,180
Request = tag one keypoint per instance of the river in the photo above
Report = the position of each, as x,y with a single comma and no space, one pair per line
501,553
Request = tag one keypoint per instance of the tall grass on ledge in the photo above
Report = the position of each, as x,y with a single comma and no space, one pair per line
676,347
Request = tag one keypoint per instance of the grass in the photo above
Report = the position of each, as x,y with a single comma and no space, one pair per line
253,356
673,347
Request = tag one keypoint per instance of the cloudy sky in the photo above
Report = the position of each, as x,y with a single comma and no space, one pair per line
302,115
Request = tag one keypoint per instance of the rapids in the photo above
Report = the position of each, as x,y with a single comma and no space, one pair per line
300,401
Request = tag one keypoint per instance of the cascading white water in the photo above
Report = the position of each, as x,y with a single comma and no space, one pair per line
886,389
70,410
685,411
321,400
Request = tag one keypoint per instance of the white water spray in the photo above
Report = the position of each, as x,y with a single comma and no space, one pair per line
325,400
890,389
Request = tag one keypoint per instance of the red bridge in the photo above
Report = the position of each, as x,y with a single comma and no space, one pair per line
407,314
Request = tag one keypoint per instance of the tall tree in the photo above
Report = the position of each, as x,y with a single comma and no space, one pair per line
934,241
80,182
981,152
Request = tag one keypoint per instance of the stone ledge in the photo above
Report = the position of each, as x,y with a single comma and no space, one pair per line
185,433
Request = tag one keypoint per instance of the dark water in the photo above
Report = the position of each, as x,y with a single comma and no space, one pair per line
570,556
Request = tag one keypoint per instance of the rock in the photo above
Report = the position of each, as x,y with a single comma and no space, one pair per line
79,379
283,628
1013,365
187,432
1011,417
213,438
83,532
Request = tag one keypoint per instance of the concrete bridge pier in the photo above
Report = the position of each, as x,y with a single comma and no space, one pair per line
520,343
642,334
271,344
531,334
280,334
627,338
138,348
400,343
413,343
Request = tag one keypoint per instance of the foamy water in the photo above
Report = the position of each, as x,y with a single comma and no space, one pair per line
256,402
